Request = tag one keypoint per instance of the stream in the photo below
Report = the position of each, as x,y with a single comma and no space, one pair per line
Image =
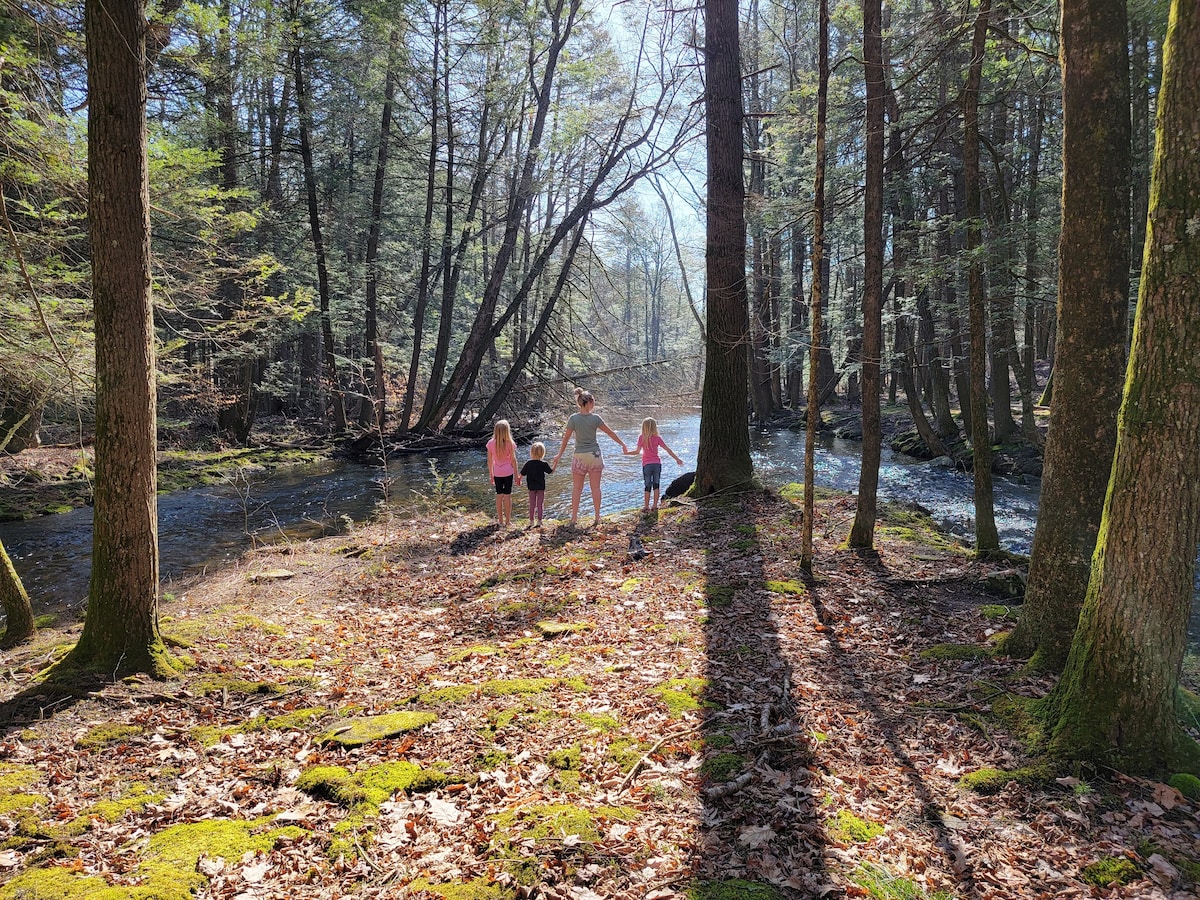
203,528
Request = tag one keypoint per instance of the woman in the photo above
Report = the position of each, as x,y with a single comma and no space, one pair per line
587,463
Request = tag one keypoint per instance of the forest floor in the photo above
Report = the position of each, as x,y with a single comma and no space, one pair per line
437,707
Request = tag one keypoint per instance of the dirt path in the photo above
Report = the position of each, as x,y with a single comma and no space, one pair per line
568,721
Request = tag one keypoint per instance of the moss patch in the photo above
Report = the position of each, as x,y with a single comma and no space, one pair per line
880,884
718,596
356,732
948,652
602,722
992,781
848,828
1187,784
467,652
681,695
297,719
736,889
103,735
217,684
477,889
552,629
365,790
722,767
789,588
138,797
451,693
555,821
1109,871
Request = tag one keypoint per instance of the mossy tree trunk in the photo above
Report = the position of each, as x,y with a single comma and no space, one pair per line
121,633
1093,299
723,454
1116,701
18,614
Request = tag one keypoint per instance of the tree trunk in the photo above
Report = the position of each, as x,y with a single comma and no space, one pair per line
818,258
18,614
423,288
723,454
120,633
1116,702
987,539
1092,301
336,406
862,532
374,413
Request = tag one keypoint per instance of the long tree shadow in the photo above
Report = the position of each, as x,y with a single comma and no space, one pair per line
895,731
759,824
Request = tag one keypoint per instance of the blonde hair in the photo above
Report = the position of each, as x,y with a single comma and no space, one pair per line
537,451
649,429
583,398
502,435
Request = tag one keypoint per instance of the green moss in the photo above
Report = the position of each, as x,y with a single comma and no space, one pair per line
681,695
451,693
717,741
103,735
356,732
880,884
551,629
1109,871
47,620
848,828
507,686
167,871
366,790
467,652
718,596
599,722
565,758
792,588
947,652
297,719
211,735
992,781
626,752
630,585
476,889
735,889
293,663
493,759
555,821
247,622
10,803
996,611
1187,784
138,797
218,683
566,781
15,775
722,767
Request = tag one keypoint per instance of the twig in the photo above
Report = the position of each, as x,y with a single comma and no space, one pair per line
637,767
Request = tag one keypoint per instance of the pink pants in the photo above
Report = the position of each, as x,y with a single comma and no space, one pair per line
537,500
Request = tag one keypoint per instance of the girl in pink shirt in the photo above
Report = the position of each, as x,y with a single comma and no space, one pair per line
648,444
502,469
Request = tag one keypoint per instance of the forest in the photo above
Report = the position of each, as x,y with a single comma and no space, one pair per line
968,229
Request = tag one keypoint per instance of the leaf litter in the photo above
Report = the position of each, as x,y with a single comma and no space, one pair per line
597,722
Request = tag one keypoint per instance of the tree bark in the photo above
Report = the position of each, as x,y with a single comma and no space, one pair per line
1092,309
818,268
987,539
862,532
18,614
723,454
337,408
1116,702
120,632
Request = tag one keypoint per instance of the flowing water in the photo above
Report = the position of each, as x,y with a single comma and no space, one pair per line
204,528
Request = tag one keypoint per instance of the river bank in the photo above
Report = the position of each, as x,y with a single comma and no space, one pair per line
564,719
